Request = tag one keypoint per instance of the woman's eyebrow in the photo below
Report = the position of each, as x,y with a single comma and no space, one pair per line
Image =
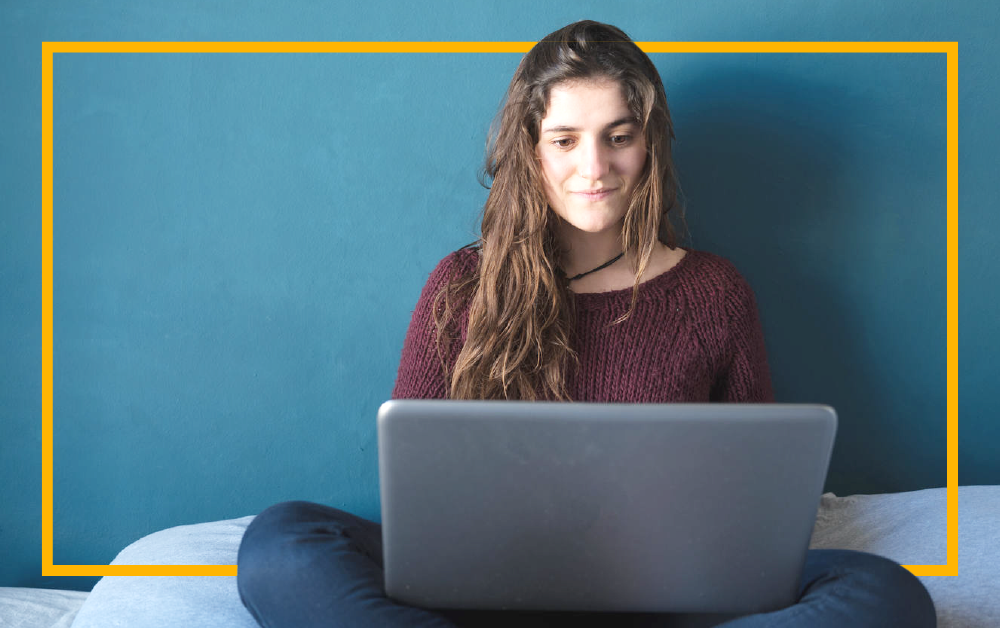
571,129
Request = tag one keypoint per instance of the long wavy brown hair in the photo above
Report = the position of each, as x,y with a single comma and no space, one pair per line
521,318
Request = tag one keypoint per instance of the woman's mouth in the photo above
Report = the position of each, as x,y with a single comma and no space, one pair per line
595,195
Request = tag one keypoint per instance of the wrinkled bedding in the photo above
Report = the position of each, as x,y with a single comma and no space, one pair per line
39,608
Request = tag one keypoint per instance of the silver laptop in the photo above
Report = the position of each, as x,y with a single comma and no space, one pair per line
599,507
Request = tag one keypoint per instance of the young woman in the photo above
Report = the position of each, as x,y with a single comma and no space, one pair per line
577,290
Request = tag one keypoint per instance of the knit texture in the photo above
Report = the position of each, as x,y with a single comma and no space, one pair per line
695,336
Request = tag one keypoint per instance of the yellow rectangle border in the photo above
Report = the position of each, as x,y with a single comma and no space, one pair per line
50,48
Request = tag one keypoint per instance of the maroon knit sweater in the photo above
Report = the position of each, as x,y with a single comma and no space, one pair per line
694,336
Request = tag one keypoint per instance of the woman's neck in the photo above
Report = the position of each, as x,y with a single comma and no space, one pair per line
583,251
621,274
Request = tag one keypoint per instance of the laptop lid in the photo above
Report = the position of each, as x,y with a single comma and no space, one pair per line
599,507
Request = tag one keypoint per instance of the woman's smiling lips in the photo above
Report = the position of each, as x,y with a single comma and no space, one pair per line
595,195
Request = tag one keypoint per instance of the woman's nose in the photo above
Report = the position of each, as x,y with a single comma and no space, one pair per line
594,161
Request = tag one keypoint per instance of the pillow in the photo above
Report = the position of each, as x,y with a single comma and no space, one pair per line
910,529
166,601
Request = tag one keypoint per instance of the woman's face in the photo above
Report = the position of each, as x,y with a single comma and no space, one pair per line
591,153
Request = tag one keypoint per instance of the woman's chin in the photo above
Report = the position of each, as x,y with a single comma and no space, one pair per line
595,228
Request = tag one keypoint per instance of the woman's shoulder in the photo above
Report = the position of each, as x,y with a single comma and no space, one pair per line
457,263
718,279
713,267
454,266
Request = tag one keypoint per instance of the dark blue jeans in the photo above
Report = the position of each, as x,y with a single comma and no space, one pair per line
304,565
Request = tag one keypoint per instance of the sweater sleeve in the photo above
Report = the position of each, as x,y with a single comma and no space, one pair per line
745,377
421,374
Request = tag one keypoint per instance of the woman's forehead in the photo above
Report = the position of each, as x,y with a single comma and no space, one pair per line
579,105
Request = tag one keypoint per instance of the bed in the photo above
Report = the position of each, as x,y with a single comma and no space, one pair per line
907,527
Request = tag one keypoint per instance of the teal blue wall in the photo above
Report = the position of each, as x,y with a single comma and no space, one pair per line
240,239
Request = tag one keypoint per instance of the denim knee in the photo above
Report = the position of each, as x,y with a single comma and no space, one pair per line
262,554
906,592
306,565
902,599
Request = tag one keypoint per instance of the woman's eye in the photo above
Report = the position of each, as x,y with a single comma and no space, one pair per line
563,142
621,140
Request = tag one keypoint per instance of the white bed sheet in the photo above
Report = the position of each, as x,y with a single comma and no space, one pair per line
39,608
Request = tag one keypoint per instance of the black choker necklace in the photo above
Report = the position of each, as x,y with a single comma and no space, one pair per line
604,265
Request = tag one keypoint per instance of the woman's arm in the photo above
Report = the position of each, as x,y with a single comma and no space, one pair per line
745,377
421,374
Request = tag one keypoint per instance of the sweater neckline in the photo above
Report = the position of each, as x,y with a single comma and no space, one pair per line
659,283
